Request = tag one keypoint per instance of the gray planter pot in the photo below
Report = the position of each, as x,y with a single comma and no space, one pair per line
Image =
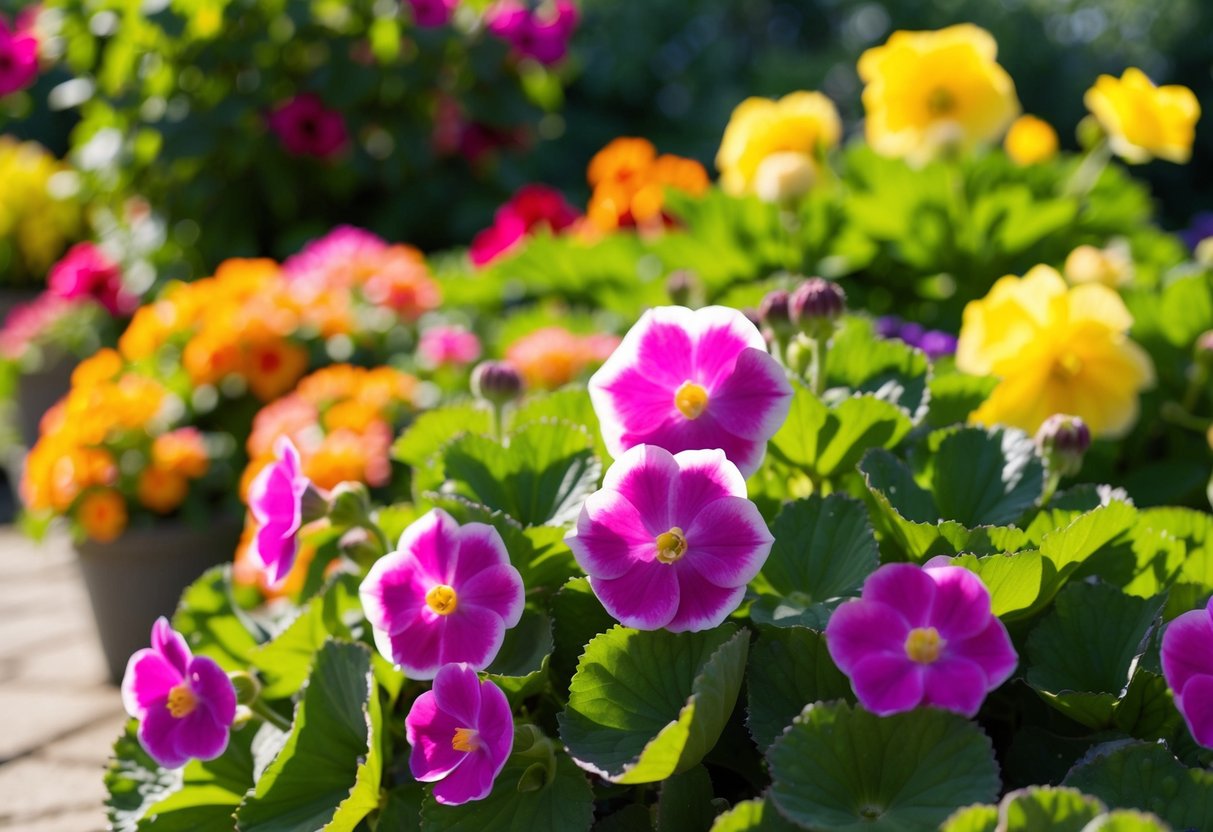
141,575
38,392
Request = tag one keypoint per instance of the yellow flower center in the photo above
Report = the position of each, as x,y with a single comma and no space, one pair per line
940,102
923,645
671,545
691,399
466,739
181,701
442,599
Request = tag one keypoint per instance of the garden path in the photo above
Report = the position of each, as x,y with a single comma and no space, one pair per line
58,715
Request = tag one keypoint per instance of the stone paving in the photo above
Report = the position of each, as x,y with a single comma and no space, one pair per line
58,715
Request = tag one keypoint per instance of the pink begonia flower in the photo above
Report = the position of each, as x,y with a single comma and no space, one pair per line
921,636
307,128
534,34
275,498
1187,665
18,58
447,594
461,733
432,13
453,346
85,271
670,540
530,208
687,380
185,704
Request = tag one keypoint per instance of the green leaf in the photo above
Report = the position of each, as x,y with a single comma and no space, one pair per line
631,818
565,803
789,668
521,666
828,441
1126,820
433,429
213,624
135,781
842,769
1043,807
755,815
645,705
541,476
578,616
1015,581
1081,655
1144,776
984,477
823,548
402,812
889,369
955,395
972,819
327,775
794,610
685,802
1187,308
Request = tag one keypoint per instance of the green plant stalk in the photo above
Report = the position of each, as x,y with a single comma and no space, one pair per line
1088,171
268,714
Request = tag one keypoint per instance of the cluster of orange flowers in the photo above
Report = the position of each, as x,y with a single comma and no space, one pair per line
630,181
552,357
112,439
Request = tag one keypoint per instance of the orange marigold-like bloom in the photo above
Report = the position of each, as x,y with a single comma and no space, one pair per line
161,489
630,183
623,159
272,367
103,365
102,515
342,456
182,451
552,357
403,283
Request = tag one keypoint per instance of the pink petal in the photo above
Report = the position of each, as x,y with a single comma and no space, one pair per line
662,345
170,644
200,735
393,592
432,539
629,405
148,679
495,724
1196,705
722,334
158,736
471,781
754,400
429,731
962,602
645,597
991,650
415,648
214,690
904,587
646,476
887,684
498,589
955,684
706,476
457,690
705,432
480,548
611,536
1187,648
860,628
472,635
728,542
701,604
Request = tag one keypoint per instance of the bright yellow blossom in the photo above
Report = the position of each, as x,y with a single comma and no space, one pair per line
1030,141
927,92
1056,349
1143,121
771,148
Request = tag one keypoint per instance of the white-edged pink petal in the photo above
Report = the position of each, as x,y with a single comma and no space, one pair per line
727,543
646,597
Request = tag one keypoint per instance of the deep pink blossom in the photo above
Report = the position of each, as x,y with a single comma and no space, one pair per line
686,380
336,259
531,208
461,733
447,594
452,346
86,271
432,13
541,34
185,704
18,58
921,636
28,322
308,128
671,539
1187,665
275,498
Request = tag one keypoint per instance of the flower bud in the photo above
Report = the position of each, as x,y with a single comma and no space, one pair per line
815,305
784,177
1111,266
358,545
1063,441
313,505
246,685
350,505
776,314
244,715
497,382
683,287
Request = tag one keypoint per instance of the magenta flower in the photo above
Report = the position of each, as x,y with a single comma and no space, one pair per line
544,38
185,704
532,207
452,346
688,380
307,128
921,636
18,58
432,13
670,540
275,498
1187,665
85,271
27,322
461,733
447,594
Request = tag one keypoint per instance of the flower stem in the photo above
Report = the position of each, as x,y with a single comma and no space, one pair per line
1088,171
1052,481
269,715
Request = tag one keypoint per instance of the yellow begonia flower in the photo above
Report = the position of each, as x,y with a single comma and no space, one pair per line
1030,141
1056,349
1143,121
772,147
927,92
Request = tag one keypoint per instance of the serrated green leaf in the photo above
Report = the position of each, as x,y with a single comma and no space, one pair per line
521,666
631,818
755,815
1044,807
135,781
1145,776
794,610
1015,581
972,819
823,548
211,622
327,775
645,705
402,811
888,369
435,428
842,769
577,616
789,668
1126,820
684,803
955,395
981,477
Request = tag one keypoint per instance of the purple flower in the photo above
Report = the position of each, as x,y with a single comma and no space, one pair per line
921,636
307,128
432,13
447,594
275,498
461,733
689,380
1200,229
18,58
671,540
185,704
935,343
1187,665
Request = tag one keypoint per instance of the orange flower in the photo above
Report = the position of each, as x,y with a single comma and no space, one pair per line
273,366
181,451
161,490
149,329
630,183
102,515
103,365
330,384
621,160
210,357
552,357
341,457
681,173
403,283
355,415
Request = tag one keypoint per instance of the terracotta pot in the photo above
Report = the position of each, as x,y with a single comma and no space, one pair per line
141,575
